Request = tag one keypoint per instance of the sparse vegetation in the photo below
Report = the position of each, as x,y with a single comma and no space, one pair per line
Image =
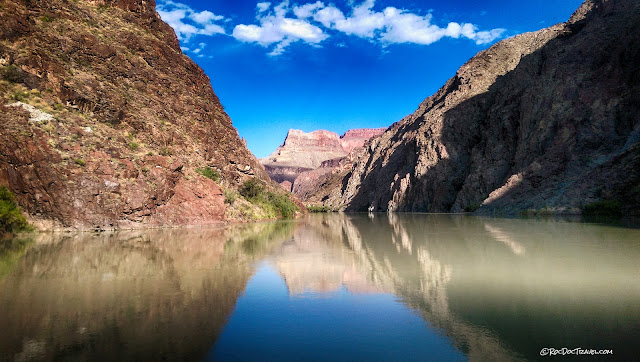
46,19
251,189
12,73
209,173
11,218
603,208
164,151
282,204
102,8
80,162
319,209
544,211
230,196
277,205
472,207
133,146
19,96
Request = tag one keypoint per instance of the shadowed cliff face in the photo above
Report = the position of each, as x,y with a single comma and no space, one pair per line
104,121
542,120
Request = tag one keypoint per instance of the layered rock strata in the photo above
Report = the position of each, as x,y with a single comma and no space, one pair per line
302,153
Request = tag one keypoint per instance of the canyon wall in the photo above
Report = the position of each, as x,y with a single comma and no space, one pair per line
308,154
104,123
543,121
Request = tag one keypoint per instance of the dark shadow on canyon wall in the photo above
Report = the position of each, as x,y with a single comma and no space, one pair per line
559,130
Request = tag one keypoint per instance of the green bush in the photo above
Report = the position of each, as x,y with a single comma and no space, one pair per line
20,96
279,204
472,207
79,162
208,172
251,189
11,218
230,196
282,204
12,73
133,146
603,208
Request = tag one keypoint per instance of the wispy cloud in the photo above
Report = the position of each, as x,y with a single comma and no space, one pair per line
279,26
187,22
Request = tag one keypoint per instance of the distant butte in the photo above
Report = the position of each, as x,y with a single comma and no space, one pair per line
302,152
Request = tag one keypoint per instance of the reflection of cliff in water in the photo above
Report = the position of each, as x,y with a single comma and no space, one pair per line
501,289
316,260
161,294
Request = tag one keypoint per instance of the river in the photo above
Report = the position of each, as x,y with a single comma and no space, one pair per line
326,287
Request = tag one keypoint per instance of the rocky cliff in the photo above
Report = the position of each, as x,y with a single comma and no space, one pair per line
104,122
542,121
355,138
305,152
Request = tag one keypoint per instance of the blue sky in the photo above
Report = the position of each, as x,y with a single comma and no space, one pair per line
339,64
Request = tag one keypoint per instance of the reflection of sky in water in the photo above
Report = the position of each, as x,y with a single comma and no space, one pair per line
330,286
269,323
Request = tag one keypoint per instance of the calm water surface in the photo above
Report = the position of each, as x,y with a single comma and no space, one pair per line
346,287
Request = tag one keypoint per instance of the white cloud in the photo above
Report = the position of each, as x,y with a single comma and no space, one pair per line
328,16
205,17
363,21
307,10
276,28
198,50
262,7
279,26
187,22
391,25
487,36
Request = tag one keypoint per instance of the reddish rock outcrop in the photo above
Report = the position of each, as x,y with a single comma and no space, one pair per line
355,138
302,153
104,122
544,120
305,150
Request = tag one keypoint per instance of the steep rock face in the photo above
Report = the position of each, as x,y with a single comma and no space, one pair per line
304,152
355,138
542,120
310,184
104,121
